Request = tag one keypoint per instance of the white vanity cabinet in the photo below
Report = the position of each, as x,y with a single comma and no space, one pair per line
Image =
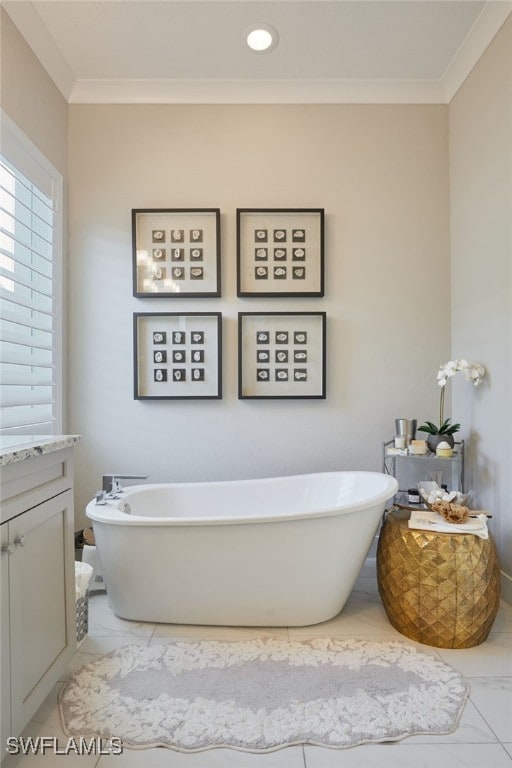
38,608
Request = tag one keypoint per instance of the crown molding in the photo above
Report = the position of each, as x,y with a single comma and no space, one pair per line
255,92
82,91
30,24
478,39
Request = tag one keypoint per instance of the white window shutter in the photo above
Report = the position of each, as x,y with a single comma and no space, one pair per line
30,301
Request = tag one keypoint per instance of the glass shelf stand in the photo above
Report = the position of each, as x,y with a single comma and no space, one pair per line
410,469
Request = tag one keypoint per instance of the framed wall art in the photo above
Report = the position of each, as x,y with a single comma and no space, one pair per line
280,252
281,354
176,252
177,356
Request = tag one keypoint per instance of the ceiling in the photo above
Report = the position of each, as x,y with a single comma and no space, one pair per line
329,51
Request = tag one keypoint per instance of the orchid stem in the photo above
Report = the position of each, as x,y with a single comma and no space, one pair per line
441,408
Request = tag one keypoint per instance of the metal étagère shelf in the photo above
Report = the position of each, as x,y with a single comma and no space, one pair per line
409,469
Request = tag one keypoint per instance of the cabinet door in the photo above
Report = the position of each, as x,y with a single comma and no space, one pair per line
42,603
4,637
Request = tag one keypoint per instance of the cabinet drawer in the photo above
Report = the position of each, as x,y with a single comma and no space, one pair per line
32,481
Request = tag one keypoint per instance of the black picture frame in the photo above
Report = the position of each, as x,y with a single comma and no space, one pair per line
176,252
282,355
280,252
177,356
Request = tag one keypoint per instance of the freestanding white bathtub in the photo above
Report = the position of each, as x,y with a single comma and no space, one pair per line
274,552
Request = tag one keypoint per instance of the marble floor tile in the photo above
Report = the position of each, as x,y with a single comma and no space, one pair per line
503,620
197,632
472,729
485,721
289,757
404,755
102,620
362,615
45,726
98,644
47,758
493,658
492,697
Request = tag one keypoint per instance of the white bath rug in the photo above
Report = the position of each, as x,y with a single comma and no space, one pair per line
261,695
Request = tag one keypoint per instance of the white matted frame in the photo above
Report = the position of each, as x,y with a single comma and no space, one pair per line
177,355
176,252
280,252
281,355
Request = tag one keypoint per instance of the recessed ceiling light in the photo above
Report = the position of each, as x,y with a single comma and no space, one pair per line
261,38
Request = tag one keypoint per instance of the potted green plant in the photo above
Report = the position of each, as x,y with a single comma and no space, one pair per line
444,433
474,373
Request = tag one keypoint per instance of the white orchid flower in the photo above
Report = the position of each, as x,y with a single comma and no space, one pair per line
474,372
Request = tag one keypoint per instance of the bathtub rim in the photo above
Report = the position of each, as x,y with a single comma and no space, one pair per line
111,514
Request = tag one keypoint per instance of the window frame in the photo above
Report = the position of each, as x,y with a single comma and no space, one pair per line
20,152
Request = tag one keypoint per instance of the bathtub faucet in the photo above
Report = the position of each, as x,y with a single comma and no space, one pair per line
112,485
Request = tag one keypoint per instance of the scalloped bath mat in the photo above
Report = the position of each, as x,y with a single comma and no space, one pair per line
261,695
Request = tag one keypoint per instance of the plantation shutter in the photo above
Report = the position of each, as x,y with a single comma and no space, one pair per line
29,290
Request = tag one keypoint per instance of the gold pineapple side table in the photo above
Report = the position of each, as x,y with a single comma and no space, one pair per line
441,589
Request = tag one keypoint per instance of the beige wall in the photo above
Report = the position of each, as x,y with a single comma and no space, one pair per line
481,252
30,97
380,172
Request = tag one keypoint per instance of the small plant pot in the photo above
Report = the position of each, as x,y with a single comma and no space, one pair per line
434,440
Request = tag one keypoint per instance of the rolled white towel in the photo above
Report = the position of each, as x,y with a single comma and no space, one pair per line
83,573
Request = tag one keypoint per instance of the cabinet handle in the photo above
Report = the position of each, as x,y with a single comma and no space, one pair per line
7,549
20,541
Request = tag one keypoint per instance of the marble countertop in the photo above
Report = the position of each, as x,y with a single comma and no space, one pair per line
15,448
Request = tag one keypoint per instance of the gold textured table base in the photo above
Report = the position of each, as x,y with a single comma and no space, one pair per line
441,589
